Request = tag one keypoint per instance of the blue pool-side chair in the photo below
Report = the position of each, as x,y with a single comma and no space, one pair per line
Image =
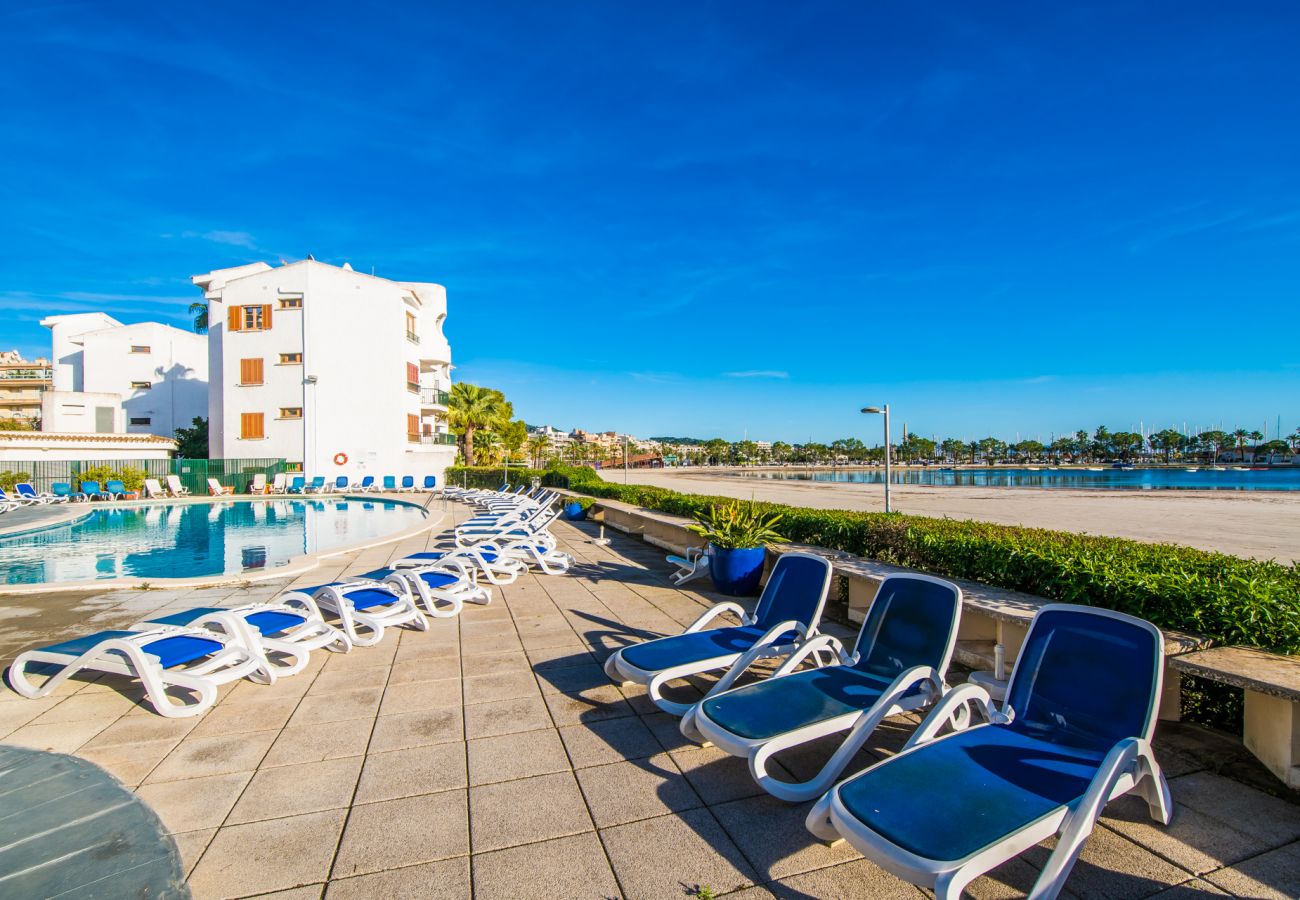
93,491
787,614
290,629
898,665
27,492
64,490
408,483
1074,733
390,483
485,561
298,485
341,483
367,484
190,658
364,607
116,490
441,590
430,482
317,485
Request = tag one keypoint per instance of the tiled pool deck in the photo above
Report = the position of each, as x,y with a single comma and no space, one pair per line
490,757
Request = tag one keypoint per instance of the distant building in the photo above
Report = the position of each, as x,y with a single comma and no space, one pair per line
159,375
22,382
341,372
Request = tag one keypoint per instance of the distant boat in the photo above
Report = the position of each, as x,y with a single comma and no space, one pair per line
1218,468
1094,469
1192,469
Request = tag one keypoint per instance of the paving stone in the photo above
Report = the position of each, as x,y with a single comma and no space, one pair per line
572,679
610,741
84,706
61,737
1013,880
522,754
425,668
195,757
132,731
500,686
1274,875
667,731
847,881
338,706
271,712
195,803
335,680
129,765
591,705
1190,890
267,856
506,717
417,729
420,695
416,770
403,832
667,856
719,777
544,659
531,809
573,866
1192,840
1113,867
1270,820
301,788
191,845
627,791
312,743
447,879
773,837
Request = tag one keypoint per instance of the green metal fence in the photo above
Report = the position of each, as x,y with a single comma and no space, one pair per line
193,473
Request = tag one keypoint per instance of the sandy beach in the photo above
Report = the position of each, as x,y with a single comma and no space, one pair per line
1262,524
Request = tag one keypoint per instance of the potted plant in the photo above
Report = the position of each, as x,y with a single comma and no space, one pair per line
738,535
576,509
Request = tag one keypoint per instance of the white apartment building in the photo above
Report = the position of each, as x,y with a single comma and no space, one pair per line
341,372
159,375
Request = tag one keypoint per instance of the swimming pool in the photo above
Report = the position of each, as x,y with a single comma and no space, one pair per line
1192,478
189,540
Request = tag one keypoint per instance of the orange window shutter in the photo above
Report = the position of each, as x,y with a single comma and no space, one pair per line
250,371
412,373
412,425
266,316
234,318
250,425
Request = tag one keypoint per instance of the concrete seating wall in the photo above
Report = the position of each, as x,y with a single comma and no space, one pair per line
992,616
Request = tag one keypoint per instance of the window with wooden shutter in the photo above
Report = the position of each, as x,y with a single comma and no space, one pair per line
412,377
252,318
235,318
250,371
252,426
412,427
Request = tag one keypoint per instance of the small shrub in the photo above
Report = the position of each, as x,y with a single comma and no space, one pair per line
9,479
133,477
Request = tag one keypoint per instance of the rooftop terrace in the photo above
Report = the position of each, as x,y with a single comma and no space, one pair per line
490,757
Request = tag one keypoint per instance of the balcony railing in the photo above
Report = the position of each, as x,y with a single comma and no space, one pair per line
413,337
443,438
434,397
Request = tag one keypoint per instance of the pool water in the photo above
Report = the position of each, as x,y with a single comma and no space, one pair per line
1135,479
188,540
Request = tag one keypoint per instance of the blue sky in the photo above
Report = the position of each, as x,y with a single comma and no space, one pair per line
704,219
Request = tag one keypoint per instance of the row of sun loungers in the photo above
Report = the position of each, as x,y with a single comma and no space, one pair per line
976,784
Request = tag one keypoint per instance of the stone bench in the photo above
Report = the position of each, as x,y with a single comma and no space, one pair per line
992,616
1271,684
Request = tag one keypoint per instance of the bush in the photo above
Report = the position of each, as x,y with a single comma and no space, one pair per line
490,477
132,477
9,479
1227,598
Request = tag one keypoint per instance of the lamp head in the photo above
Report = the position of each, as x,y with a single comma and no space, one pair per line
871,409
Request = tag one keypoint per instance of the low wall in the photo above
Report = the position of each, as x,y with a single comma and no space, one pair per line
994,616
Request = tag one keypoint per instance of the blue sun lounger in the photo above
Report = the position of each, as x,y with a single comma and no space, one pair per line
390,483
364,607
367,484
898,665
31,495
787,615
63,490
442,592
190,658
93,491
298,485
116,490
1074,733
484,560
281,634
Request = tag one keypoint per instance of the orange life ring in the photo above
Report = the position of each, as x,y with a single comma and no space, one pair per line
340,459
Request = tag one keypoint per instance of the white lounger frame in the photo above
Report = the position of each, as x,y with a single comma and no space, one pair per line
695,564
451,597
860,725
295,644
1130,765
128,656
365,628
622,671
501,570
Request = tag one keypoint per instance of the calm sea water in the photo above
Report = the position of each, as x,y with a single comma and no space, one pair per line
190,540
1140,479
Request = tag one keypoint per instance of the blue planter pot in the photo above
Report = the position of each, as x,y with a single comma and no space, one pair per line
574,512
736,573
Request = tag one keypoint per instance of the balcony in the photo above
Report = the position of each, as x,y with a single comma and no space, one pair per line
445,439
434,397
413,337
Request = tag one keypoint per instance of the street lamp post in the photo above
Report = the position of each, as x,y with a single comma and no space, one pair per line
883,410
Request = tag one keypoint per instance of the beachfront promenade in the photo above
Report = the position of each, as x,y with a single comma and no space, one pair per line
490,757
1262,524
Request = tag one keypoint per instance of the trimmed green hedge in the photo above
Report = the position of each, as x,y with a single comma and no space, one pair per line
1227,598
490,477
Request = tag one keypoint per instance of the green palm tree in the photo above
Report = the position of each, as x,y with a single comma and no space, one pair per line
200,313
471,408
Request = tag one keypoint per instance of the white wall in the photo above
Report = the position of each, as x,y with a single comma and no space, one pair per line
75,412
92,352
351,331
